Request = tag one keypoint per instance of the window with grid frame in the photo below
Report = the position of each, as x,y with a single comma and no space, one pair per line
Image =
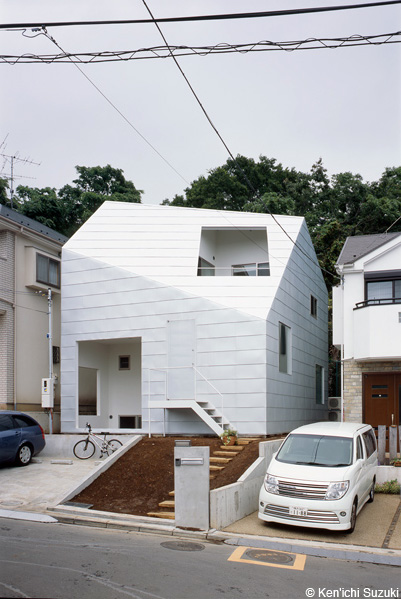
47,270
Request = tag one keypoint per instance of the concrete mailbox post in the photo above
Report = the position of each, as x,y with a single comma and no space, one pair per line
191,485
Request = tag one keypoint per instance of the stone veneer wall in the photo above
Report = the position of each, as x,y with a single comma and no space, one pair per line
352,403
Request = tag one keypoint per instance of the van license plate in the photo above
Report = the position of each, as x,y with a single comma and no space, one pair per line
298,511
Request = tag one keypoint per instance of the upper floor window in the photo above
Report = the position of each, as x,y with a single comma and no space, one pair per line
47,270
383,292
205,268
260,269
313,306
382,287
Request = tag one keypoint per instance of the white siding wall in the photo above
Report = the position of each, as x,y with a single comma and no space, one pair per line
102,303
291,397
364,332
132,268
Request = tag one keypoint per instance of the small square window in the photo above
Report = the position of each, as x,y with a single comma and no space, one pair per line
124,362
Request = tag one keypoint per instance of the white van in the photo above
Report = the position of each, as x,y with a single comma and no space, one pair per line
321,477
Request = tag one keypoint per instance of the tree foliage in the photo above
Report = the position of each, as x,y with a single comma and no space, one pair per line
334,207
67,209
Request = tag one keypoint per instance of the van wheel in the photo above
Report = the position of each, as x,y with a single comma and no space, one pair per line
352,521
372,492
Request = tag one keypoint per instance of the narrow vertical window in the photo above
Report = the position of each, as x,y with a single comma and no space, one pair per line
313,306
284,358
319,384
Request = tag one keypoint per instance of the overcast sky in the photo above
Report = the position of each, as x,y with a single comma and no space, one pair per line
342,105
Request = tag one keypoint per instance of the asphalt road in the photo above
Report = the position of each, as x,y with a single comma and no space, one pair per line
53,561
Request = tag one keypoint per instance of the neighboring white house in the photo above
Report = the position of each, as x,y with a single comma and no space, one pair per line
30,261
367,328
194,319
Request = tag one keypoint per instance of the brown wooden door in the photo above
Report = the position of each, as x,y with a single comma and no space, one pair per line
382,399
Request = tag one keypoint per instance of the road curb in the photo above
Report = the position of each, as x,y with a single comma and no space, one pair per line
129,523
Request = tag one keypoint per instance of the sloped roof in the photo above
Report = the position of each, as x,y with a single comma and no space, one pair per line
33,225
361,245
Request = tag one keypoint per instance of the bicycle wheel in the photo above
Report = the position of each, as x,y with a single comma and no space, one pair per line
84,449
112,446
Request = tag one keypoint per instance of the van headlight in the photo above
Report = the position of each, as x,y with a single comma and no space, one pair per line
337,490
271,484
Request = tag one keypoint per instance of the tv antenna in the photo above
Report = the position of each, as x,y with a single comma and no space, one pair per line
12,159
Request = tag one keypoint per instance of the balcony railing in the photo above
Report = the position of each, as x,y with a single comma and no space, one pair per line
378,302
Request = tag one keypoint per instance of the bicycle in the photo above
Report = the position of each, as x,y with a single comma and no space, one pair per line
85,448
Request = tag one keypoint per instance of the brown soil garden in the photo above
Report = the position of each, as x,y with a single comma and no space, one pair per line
144,476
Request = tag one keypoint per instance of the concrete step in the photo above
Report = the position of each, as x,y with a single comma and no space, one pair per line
165,515
168,503
216,468
232,447
220,460
172,493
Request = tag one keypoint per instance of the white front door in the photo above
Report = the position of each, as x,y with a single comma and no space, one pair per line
181,339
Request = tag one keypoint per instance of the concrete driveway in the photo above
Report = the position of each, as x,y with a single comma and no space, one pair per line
377,525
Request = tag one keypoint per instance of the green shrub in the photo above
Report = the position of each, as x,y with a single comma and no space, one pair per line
391,486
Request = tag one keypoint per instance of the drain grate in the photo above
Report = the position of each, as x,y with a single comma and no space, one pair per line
270,557
182,546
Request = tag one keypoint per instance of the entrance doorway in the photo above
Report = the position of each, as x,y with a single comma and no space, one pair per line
382,399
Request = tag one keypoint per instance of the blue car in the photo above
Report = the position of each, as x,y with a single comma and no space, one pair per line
21,437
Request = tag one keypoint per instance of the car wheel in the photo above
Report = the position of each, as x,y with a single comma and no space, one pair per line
352,520
372,492
24,455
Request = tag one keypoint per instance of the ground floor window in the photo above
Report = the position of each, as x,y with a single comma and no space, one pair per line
319,384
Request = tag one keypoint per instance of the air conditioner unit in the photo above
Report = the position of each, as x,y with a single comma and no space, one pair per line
334,403
334,416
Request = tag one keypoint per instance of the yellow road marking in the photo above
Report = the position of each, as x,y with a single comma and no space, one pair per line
237,556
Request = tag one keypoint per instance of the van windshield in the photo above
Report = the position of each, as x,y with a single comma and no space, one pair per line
316,450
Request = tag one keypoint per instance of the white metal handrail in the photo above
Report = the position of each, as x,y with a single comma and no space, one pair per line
164,371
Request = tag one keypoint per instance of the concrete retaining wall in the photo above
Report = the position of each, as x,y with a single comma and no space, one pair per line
387,473
233,502
61,446
105,465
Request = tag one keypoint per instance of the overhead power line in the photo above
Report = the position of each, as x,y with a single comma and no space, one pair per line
235,161
217,17
169,51
118,110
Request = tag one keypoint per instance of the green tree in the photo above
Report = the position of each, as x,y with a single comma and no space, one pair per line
66,210
3,192
42,205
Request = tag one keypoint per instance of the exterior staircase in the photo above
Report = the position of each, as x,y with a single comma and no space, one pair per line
203,408
218,461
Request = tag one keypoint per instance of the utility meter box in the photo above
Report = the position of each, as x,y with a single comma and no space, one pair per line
47,393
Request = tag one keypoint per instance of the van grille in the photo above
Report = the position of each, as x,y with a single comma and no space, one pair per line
317,516
301,490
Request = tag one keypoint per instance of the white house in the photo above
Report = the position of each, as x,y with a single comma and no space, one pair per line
367,328
30,262
188,320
